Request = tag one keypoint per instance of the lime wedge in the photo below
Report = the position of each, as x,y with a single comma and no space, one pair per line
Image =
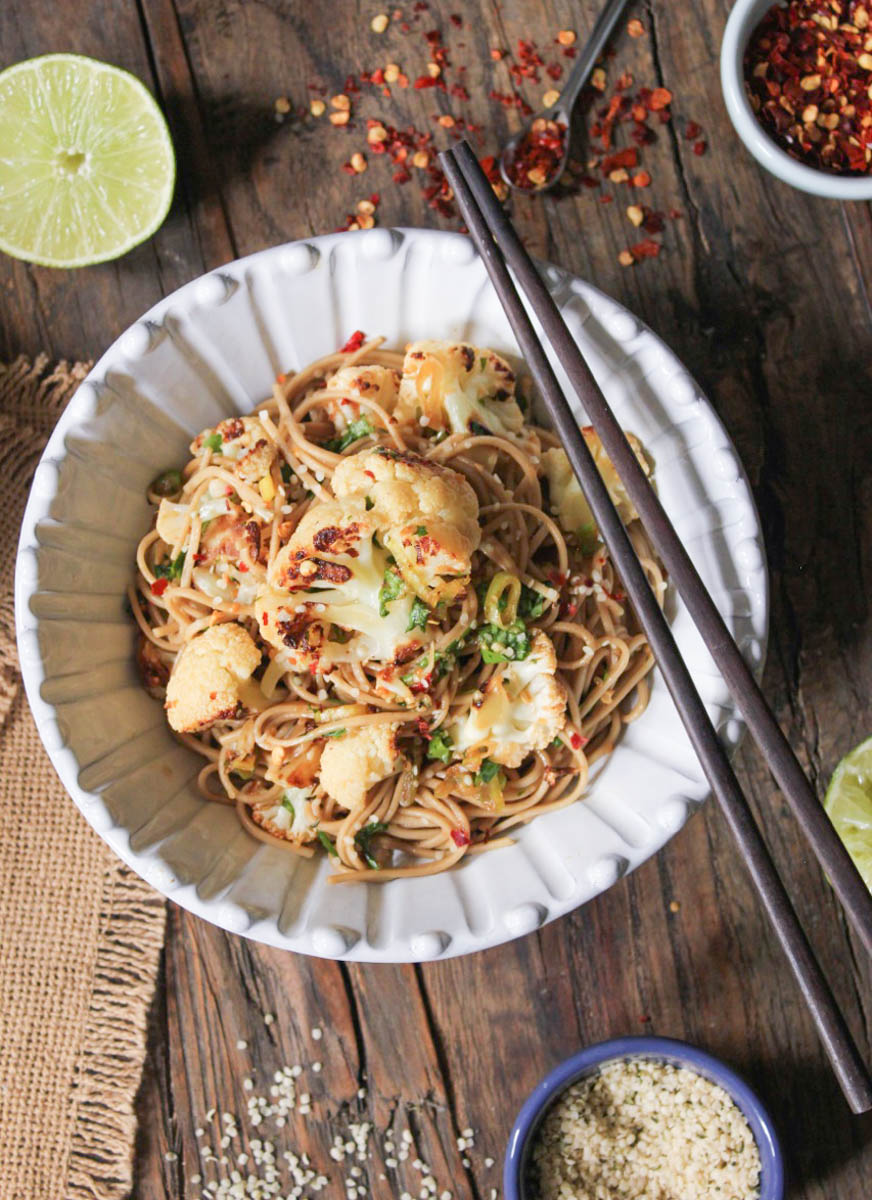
86,163
849,804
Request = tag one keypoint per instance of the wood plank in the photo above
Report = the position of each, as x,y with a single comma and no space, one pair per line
764,294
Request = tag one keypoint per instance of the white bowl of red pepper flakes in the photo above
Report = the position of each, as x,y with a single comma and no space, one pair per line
797,81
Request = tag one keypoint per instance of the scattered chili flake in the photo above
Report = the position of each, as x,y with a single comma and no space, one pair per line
641,179
699,148
692,130
647,248
460,837
660,98
354,342
807,78
159,586
635,28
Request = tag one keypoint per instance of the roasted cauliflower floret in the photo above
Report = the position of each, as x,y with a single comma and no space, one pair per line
521,710
242,442
573,511
333,596
465,388
427,516
291,818
211,679
380,384
355,762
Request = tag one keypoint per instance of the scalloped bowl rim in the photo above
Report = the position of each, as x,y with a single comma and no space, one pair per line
335,940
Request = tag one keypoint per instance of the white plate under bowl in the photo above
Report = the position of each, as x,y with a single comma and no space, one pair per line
212,349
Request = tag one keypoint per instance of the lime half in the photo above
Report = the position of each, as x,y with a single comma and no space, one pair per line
86,163
849,804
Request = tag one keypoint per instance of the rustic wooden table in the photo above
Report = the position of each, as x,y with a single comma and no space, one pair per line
764,293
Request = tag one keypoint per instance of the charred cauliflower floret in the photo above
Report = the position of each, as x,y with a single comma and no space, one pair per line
427,516
292,818
380,384
573,511
464,388
352,764
523,709
211,679
333,594
242,443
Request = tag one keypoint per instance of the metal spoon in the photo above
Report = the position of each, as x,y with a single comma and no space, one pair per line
562,110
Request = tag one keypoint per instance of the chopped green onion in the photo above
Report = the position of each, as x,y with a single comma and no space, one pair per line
288,804
440,746
337,733
503,645
502,596
487,771
213,442
421,531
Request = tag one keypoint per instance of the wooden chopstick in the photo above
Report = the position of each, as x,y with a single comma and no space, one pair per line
474,196
824,842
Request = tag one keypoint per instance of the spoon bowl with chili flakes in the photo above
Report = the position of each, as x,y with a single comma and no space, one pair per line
534,159
797,82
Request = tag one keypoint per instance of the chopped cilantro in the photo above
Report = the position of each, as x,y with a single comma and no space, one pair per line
531,604
213,443
391,589
557,744
418,616
503,645
486,772
328,845
421,531
445,660
356,430
363,838
440,746
287,473
337,733
369,502
171,568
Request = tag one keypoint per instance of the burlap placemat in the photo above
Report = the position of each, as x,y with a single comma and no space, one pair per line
80,935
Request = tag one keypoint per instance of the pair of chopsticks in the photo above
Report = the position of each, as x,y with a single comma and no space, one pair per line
501,249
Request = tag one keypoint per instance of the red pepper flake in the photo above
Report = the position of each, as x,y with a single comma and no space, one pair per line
354,342
628,157
641,179
460,837
699,148
539,155
660,98
692,130
647,248
635,28
159,586
807,76
264,618
575,741
456,20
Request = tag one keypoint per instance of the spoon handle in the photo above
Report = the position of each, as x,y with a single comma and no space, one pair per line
591,51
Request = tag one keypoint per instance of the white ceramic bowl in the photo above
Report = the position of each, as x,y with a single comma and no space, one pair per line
744,17
212,349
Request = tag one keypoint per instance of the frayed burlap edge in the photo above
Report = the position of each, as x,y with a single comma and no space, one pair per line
68,1138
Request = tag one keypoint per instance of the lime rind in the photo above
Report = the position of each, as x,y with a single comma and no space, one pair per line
849,805
76,110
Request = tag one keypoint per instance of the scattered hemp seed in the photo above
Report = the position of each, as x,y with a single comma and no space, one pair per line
268,1018
317,1034
242,1044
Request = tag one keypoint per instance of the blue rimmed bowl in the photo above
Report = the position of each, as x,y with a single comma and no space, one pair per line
678,1054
